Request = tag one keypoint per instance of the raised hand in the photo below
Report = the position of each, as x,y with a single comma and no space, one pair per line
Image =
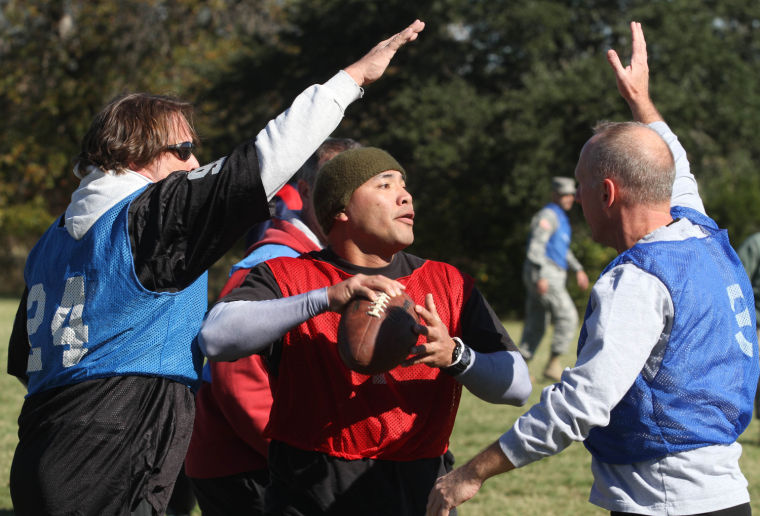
633,80
371,67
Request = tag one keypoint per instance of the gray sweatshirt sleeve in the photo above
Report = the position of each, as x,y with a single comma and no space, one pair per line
685,191
616,350
240,328
500,377
287,141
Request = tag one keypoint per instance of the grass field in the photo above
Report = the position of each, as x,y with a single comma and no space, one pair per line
11,397
558,485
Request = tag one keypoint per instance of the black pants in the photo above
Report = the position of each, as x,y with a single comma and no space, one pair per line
182,500
235,494
108,446
305,483
739,510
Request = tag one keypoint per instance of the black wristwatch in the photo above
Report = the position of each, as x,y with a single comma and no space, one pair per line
460,358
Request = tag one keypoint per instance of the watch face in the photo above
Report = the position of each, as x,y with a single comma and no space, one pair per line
456,353
464,361
460,359
466,357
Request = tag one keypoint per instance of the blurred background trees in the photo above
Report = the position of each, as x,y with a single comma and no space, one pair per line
494,99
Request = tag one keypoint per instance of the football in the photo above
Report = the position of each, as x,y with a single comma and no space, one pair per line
374,337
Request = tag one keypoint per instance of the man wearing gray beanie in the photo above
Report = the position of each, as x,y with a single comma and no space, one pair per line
345,442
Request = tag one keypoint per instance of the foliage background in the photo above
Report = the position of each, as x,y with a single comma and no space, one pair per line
494,99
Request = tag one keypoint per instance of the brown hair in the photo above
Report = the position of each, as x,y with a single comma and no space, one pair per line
132,129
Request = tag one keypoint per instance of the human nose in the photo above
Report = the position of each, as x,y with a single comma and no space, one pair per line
193,162
404,196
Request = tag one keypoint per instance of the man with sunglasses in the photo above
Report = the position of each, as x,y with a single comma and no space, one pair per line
116,291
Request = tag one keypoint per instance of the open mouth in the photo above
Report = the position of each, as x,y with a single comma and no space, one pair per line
407,217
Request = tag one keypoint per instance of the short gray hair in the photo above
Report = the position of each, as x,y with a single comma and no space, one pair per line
644,171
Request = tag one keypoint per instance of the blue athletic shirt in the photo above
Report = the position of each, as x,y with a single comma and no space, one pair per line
89,317
676,407
559,243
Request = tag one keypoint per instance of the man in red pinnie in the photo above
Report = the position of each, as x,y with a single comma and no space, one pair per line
343,442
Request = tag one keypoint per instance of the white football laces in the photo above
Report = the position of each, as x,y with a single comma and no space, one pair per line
377,307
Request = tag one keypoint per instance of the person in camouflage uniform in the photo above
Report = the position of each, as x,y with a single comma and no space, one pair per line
545,273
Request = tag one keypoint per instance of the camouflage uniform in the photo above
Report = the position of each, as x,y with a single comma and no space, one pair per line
556,303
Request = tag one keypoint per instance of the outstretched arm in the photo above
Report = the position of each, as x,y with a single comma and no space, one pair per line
288,140
633,80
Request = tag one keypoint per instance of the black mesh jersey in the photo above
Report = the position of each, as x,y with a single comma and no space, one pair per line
178,228
98,446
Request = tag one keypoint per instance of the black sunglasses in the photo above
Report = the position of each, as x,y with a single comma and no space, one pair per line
182,150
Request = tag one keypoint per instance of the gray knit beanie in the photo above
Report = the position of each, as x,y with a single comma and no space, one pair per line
343,174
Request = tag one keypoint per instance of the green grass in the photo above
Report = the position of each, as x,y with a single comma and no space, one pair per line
11,397
558,485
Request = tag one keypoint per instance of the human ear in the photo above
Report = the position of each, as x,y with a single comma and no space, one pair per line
608,192
303,188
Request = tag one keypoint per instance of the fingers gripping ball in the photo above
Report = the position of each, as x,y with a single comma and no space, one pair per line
374,337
